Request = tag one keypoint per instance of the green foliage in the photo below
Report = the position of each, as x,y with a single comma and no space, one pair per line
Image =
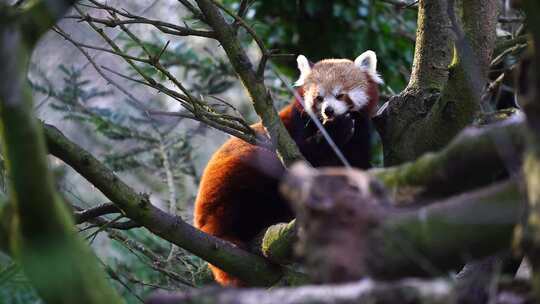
338,29
74,100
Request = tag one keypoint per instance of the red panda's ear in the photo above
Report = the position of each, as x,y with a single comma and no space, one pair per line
305,68
367,62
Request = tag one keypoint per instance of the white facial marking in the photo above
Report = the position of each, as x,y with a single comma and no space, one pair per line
311,93
305,70
338,106
308,99
359,98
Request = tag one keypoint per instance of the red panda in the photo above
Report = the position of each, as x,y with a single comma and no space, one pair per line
238,194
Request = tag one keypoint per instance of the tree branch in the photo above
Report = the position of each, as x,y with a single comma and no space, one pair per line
484,155
201,111
164,27
481,154
431,111
249,267
364,291
97,211
528,233
433,51
259,94
371,238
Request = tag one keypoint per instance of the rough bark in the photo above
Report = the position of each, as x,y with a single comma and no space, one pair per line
433,48
364,291
263,103
356,232
528,93
481,154
41,233
431,111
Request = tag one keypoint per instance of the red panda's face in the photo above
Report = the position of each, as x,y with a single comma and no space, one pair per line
334,87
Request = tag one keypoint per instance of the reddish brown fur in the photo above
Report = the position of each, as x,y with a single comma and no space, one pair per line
238,194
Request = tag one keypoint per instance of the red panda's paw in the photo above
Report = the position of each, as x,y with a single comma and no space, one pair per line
341,129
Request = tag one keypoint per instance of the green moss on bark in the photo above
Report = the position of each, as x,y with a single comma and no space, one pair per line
55,259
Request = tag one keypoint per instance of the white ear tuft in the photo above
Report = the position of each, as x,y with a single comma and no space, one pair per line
305,69
367,61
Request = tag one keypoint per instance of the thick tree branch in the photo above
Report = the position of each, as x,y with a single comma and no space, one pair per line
481,154
249,267
528,234
433,51
476,144
364,291
369,237
431,111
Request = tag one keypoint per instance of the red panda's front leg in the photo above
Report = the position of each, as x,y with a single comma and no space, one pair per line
351,134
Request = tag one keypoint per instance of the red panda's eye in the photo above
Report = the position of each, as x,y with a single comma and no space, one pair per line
341,96
319,99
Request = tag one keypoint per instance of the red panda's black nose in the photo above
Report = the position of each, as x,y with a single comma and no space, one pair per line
329,111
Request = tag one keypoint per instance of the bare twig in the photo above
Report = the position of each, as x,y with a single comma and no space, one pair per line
202,112
114,224
402,4
164,27
156,261
196,13
97,211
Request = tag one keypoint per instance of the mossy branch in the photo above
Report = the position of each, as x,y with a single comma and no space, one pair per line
433,109
387,242
433,51
474,154
475,158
